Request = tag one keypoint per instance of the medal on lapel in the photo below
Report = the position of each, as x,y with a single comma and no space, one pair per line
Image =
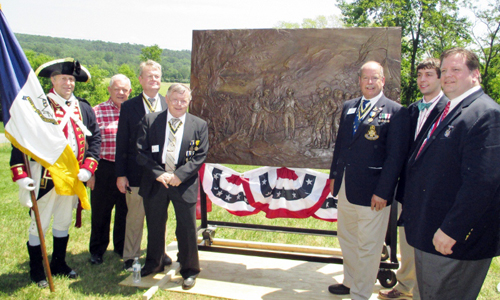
371,134
372,115
384,118
448,130
193,147
189,155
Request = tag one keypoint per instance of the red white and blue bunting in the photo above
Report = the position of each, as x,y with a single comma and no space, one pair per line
278,192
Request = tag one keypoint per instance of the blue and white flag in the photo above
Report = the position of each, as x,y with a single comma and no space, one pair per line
29,120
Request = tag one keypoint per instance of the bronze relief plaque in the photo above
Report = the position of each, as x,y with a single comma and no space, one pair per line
273,97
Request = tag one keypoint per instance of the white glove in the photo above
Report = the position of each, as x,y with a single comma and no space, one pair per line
84,175
26,183
26,200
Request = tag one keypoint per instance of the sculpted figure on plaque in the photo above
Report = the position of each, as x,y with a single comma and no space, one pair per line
260,114
330,108
320,119
289,104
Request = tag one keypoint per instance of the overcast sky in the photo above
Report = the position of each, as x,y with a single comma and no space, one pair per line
167,23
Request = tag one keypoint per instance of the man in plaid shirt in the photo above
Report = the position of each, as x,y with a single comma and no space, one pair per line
105,194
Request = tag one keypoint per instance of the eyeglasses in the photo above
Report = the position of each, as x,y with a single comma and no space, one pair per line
372,78
181,102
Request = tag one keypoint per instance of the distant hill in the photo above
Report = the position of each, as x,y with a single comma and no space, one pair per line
108,56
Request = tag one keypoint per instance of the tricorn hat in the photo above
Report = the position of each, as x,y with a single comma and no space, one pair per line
67,66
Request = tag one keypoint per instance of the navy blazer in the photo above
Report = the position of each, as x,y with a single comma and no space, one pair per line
371,159
152,132
454,184
131,113
417,141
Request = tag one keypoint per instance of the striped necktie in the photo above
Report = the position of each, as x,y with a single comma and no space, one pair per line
173,125
434,126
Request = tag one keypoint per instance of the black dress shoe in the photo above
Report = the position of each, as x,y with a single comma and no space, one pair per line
167,261
127,265
96,259
146,270
339,289
189,282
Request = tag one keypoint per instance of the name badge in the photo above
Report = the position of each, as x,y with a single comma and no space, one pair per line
351,110
155,148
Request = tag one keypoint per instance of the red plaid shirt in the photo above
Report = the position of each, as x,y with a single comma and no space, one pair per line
107,114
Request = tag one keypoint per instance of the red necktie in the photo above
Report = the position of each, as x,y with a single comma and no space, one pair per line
434,126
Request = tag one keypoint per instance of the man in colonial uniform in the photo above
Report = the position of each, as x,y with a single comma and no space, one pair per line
77,120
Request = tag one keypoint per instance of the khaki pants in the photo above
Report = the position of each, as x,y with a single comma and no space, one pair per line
406,275
134,225
361,233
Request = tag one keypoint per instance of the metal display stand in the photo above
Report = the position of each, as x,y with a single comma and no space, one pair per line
386,275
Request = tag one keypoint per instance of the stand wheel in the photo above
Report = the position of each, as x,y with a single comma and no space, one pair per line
385,253
387,278
208,235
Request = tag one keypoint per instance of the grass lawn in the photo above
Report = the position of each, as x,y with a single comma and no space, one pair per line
2,129
101,282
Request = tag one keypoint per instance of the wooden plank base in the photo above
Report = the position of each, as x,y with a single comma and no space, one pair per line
233,276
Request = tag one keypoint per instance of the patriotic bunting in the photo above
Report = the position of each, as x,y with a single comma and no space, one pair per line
278,192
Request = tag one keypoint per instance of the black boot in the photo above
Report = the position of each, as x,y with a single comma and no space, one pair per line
37,273
58,264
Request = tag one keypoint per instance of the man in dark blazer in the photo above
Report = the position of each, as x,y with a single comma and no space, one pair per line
423,114
171,175
127,171
452,195
370,150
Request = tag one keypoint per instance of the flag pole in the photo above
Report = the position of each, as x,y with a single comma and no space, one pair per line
39,227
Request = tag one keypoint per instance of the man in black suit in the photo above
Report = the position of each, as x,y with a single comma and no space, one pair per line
127,171
172,147
371,146
452,196
423,114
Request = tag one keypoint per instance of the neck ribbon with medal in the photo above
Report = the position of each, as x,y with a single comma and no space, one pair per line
148,104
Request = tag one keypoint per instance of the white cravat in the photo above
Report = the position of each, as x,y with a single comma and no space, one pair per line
69,111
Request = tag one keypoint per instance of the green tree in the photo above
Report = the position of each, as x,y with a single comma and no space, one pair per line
36,60
152,52
136,86
488,44
95,91
318,22
428,27
287,25
108,56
